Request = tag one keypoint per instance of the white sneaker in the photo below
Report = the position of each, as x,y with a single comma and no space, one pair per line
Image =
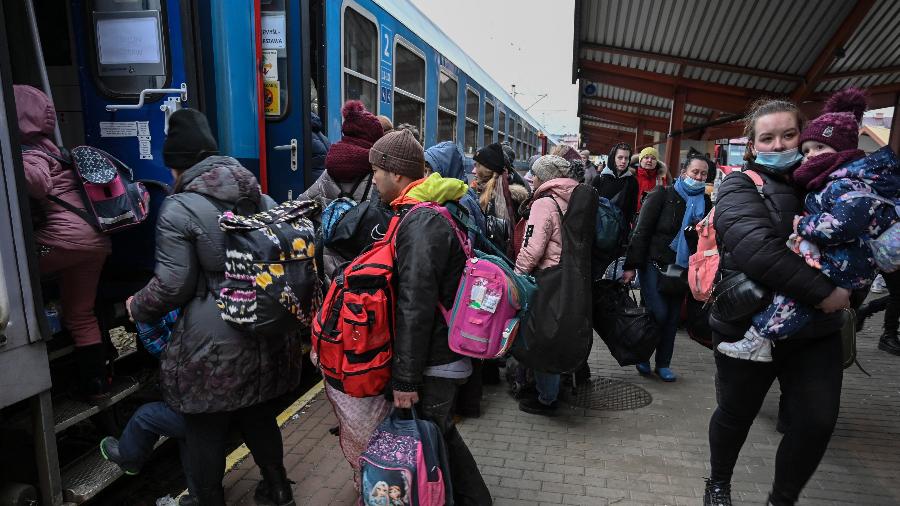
879,286
752,347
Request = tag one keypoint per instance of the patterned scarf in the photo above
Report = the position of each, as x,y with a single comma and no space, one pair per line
813,173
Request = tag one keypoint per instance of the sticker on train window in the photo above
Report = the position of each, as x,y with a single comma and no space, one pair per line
273,31
273,98
270,64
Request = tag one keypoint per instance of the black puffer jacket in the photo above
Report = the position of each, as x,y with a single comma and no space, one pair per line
209,366
658,223
429,264
751,232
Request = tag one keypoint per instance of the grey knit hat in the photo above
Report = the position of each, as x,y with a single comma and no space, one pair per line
550,167
399,152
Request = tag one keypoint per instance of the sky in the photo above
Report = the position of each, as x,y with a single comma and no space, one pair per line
523,42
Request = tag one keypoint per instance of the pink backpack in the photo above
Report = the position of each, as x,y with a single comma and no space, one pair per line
704,264
484,319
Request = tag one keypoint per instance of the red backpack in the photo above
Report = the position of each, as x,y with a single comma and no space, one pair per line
353,332
704,264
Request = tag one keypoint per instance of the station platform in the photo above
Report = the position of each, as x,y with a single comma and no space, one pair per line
656,454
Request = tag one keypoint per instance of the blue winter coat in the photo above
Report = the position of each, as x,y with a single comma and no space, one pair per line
446,159
320,146
841,226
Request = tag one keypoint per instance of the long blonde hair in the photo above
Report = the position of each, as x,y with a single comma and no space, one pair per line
487,191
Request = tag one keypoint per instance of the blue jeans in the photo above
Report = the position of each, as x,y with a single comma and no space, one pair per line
547,386
148,423
666,310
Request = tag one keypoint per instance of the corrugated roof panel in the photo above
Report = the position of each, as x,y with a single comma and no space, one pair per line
875,43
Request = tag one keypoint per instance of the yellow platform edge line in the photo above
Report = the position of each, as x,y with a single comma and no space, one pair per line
242,451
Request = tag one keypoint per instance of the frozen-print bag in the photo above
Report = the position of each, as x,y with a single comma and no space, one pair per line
405,464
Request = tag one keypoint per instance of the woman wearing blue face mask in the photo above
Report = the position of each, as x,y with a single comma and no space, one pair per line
752,226
659,249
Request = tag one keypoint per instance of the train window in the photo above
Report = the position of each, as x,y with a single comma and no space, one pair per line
501,127
488,123
275,59
360,59
447,101
409,88
471,121
130,46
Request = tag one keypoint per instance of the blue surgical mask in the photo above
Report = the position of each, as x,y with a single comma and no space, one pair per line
692,183
779,161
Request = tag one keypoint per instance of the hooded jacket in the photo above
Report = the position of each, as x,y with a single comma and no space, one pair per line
209,366
45,176
620,189
841,226
446,159
751,232
542,244
429,264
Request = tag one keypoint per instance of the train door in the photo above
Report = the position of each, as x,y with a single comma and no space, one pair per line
132,58
288,95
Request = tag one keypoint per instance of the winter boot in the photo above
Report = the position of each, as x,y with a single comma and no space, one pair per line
717,493
275,487
889,342
93,381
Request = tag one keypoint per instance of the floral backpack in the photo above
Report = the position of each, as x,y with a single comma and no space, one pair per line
271,284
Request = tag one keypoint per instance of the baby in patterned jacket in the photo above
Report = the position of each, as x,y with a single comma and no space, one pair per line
847,204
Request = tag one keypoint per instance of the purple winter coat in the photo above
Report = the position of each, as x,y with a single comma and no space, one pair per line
45,176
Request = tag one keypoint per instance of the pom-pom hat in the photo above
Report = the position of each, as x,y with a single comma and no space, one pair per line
838,126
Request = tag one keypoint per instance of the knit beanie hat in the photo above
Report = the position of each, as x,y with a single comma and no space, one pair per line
492,157
550,167
348,159
189,139
649,151
399,152
508,153
838,126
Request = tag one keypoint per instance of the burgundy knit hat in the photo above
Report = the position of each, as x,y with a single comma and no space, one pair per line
360,123
348,159
838,126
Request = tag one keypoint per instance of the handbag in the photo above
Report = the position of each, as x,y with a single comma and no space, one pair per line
848,339
627,328
672,280
736,297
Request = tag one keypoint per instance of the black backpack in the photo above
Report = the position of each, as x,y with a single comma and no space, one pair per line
557,335
349,227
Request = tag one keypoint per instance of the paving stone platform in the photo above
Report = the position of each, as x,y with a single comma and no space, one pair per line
653,455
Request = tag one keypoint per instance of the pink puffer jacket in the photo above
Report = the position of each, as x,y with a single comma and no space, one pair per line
542,245
46,176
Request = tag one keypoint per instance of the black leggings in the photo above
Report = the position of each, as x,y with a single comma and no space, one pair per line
810,374
206,435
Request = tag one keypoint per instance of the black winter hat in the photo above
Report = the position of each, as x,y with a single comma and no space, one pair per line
492,157
189,139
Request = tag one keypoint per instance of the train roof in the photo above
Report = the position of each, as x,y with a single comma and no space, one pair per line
415,20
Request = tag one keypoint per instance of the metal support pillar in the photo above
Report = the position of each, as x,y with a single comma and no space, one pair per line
45,449
676,124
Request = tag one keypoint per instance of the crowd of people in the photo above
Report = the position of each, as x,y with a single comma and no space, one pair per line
794,223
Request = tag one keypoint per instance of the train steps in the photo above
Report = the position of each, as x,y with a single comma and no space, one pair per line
88,475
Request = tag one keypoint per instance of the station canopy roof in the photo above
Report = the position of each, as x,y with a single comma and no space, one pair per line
634,56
